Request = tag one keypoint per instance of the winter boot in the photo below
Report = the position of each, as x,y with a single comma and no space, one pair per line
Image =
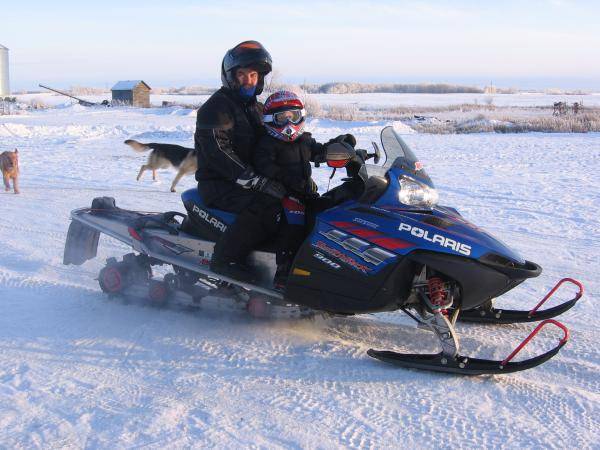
233,269
234,246
284,265
281,277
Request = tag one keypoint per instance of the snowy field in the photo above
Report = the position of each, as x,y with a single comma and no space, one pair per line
79,370
365,100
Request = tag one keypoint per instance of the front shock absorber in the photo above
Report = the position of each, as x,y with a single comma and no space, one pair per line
438,293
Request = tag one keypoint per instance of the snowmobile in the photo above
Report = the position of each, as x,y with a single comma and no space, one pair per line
382,243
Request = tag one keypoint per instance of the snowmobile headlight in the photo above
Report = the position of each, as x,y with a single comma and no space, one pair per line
415,193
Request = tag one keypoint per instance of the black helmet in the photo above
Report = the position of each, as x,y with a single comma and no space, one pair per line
246,54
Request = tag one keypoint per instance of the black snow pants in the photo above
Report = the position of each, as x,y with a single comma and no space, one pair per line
259,220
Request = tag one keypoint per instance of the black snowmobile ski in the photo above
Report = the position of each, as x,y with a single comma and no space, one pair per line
450,361
461,364
489,314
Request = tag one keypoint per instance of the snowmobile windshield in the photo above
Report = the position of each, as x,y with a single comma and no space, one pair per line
399,155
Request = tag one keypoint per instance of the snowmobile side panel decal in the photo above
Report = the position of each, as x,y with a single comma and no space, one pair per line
171,246
327,261
348,260
363,255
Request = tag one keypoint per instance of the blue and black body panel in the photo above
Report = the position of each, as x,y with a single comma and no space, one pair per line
363,256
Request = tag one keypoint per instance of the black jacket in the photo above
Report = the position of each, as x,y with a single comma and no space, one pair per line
227,130
289,162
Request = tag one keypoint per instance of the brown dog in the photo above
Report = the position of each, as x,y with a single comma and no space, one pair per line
166,155
9,163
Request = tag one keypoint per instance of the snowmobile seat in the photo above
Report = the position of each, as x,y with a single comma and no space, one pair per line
202,221
193,196
209,223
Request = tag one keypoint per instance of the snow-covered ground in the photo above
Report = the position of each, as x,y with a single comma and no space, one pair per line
79,370
364,100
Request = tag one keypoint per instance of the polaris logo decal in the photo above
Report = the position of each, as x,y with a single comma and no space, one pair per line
327,261
436,239
209,219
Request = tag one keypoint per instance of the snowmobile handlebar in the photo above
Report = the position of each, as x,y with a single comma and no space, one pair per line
339,154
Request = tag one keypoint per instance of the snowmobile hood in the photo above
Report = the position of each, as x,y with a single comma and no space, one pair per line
401,230
417,219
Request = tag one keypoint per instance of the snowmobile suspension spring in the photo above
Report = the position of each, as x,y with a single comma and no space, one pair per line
437,291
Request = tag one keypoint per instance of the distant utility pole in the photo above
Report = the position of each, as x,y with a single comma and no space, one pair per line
490,89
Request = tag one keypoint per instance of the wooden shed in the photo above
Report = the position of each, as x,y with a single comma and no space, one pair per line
131,92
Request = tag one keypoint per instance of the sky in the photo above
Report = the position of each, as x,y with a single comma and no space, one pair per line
526,44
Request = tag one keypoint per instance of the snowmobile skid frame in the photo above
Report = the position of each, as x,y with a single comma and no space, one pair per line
192,284
132,278
88,223
488,314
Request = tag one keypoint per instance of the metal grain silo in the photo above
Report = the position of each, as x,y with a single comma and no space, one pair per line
4,86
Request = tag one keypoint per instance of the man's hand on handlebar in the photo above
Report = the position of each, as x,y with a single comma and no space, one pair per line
251,180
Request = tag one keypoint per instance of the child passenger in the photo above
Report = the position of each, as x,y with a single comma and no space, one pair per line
284,154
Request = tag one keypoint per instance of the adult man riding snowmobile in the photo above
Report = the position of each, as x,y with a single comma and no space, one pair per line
228,127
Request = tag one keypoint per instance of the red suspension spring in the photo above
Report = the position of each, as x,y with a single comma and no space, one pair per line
437,291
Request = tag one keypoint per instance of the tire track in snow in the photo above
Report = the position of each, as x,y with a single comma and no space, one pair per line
12,280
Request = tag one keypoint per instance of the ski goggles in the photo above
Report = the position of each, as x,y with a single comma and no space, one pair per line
281,118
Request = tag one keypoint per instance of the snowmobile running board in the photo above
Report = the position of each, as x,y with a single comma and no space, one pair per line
505,316
463,365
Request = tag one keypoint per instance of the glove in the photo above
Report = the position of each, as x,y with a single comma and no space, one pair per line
301,187
347,138
295,184
312,190
251,180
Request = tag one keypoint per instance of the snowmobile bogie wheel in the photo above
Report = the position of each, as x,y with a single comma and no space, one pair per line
112,279
158,293
173,281
186,277
139,266
258,307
